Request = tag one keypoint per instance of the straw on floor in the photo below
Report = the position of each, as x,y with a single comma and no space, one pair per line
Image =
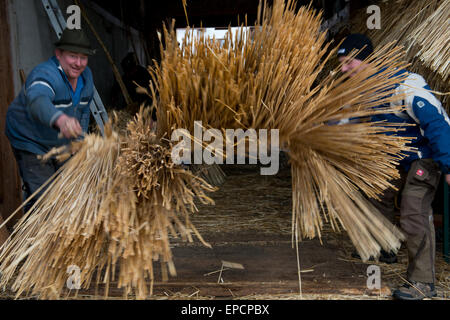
432,36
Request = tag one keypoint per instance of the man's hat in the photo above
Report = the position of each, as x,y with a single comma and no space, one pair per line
356,41
75,40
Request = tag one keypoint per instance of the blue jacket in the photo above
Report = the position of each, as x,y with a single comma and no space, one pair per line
46,95
431,124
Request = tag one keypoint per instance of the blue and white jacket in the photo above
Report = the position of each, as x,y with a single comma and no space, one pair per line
46,95
431,129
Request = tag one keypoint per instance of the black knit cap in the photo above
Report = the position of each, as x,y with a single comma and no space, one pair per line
356,41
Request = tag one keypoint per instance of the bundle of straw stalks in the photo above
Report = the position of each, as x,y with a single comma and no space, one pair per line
399,18
212,174
118,200
114,203
433,38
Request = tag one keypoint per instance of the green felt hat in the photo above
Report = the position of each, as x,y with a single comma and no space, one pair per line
75,40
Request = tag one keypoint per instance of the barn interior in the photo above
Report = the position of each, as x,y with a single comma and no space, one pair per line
253,254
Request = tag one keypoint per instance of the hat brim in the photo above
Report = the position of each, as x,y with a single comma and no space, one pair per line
76,49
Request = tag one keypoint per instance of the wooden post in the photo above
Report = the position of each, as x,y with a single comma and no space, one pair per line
108,55
10,184
23,78
4,234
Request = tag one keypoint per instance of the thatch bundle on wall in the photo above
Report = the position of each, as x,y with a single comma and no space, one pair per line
422,28
121,198
428,49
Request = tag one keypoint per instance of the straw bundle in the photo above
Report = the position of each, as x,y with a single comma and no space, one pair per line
120,198
399,18
419,26
268,83
52,234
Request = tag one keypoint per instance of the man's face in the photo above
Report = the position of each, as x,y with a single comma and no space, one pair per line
350,66
72,63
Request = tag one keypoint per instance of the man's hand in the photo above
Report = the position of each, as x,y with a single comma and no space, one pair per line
447,178
68,126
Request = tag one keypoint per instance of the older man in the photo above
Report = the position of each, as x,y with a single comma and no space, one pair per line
51,109
429,125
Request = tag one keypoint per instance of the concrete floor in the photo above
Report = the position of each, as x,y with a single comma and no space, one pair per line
250,225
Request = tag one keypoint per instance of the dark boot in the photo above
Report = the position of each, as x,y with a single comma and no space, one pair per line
387,257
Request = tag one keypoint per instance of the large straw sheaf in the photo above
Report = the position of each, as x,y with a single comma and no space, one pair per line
121,198
433,39
269,83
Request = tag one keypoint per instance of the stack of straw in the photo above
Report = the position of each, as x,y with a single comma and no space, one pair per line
433,35
212,174
117,200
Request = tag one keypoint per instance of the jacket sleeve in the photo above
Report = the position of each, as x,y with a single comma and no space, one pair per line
40,95
435,126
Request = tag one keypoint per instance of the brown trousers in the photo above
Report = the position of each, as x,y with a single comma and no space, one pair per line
417,188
